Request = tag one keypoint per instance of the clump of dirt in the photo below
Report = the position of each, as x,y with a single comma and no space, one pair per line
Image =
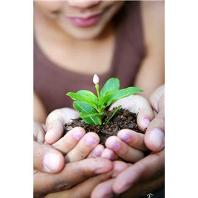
123,119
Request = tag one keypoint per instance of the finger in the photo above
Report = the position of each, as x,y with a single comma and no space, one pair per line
82,190
118,167
144,169
139,105
97,151
109,154
47,159
88,142
145,116
157,98
39,132
123,150
132,138
70,140
73,173
143,188
105,189
55,123
155,136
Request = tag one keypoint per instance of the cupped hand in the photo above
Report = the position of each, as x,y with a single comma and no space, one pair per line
139,105
147,174
128,144
138,179
51,174
76,144
55,123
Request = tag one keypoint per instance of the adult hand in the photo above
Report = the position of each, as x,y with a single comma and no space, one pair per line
84,189
139,179
72,174
147,174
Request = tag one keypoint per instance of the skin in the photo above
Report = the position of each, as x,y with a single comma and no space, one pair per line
73,148
97,49
65,176
147,174
99,41
50,171
132,180
58,12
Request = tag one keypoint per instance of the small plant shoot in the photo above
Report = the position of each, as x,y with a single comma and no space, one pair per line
93,106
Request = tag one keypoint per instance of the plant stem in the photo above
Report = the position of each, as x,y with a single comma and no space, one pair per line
97,90
113,113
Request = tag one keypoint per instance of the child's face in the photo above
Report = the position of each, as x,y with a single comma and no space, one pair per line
81,19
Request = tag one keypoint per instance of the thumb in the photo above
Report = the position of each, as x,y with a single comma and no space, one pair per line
55,123
155,137
47,159
139,105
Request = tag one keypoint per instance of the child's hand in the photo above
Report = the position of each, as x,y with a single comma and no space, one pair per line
128,144
76,144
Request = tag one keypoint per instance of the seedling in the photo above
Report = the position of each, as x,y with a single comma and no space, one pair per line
92,106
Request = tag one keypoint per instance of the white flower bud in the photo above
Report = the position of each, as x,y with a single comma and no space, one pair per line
96,79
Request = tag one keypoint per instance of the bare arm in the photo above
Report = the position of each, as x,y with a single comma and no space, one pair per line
151,73
39,110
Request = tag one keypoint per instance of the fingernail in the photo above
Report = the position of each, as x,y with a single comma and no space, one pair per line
51,162
49,135
125,136
98,151
77,134
107,154
115,145
145,123
157,137
90,141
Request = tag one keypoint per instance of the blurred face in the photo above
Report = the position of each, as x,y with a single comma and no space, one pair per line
81,19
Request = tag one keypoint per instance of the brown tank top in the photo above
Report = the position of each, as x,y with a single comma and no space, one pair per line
52,82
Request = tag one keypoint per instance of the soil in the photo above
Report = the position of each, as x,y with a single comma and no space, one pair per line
123,119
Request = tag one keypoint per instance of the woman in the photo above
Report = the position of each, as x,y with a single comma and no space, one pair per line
74,39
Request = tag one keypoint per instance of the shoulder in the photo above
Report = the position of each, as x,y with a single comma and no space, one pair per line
153,24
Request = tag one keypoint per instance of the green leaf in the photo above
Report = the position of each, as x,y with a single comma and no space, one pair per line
105,99
84,96
92,119
122,93
84,107
113,84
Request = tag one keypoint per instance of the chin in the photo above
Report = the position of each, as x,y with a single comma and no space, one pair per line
84,33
